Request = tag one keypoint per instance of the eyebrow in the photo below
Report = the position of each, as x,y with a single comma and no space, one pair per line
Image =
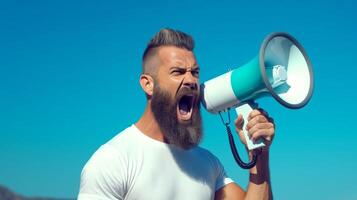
194,68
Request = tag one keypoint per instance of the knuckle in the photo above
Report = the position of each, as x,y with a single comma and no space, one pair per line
263,118
251,132
257,119
261,125
271,125
272,131
249,125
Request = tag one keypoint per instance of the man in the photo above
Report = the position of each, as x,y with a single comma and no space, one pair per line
157,157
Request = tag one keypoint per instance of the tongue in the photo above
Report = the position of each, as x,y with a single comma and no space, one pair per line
183,109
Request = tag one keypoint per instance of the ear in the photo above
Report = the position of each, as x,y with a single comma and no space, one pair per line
147,84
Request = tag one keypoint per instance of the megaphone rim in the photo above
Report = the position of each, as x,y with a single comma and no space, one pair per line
265,78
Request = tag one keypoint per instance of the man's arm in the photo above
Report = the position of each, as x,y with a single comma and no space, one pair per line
258,187
259,179
259,125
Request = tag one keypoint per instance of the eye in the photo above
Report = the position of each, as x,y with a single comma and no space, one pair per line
195,73
178,71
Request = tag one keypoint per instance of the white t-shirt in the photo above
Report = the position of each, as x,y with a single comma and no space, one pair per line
135,166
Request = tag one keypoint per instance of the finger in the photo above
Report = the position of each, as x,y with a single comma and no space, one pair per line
266,114
257,119
253,113
260,126
267,134
239,121
258,111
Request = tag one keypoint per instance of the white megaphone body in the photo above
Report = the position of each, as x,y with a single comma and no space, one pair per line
282,70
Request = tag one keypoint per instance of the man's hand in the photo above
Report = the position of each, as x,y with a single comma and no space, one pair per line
259,125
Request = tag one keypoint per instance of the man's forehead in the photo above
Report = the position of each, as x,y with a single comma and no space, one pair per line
177,56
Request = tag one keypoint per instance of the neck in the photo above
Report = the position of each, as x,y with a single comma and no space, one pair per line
148,125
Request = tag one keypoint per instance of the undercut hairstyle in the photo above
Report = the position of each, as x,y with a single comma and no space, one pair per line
165,37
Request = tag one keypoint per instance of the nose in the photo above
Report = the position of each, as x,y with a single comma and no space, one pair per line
190,81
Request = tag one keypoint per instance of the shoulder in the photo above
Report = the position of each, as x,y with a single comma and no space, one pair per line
101,176
112,152
101,166
105,170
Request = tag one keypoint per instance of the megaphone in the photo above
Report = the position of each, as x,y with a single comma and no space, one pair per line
281,70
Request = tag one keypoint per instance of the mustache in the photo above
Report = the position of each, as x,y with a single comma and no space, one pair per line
186,91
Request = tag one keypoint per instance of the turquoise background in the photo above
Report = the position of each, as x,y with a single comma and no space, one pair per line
69,82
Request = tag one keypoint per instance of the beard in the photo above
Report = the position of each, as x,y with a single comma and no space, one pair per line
184,134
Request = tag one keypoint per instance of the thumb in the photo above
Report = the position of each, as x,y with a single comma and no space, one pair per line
239,128
239,123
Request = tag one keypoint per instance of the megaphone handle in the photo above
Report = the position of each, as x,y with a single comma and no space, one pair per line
245,110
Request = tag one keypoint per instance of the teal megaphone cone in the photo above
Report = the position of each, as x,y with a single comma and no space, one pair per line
247,82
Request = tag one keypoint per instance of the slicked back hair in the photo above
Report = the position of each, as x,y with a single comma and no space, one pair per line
165,37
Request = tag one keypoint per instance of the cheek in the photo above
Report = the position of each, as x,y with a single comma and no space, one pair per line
164,90
171,85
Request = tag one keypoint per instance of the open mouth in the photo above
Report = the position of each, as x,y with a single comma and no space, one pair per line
185,107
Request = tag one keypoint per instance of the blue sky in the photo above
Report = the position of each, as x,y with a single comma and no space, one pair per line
69,82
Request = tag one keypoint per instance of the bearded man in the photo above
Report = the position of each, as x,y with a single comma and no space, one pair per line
158,157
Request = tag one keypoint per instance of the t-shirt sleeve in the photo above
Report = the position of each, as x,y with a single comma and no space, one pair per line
222,178
101,178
